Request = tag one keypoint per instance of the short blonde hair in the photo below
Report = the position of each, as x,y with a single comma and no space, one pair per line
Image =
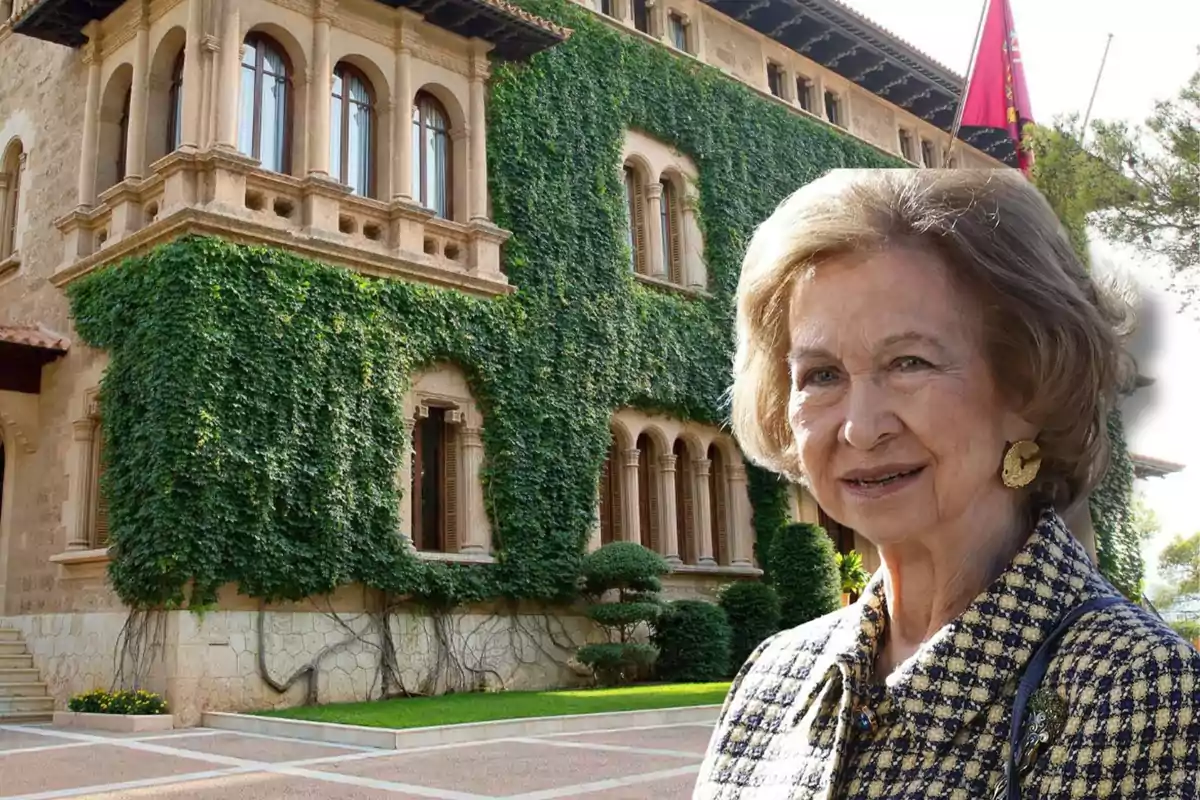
1052,337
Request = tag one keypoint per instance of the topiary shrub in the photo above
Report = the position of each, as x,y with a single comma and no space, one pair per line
752,608
635,573
805,573
693,639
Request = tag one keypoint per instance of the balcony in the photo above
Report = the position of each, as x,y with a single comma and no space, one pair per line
220,192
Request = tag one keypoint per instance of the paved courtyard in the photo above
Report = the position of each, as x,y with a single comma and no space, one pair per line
630,763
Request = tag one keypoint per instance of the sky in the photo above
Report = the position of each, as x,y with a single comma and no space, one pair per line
1153,52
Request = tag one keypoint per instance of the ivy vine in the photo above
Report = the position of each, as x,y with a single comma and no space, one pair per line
252,406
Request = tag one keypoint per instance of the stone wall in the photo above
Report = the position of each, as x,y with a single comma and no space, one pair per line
209,661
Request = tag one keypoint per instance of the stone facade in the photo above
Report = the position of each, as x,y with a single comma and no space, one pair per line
65,107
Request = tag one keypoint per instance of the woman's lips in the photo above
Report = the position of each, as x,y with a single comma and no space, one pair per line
882,482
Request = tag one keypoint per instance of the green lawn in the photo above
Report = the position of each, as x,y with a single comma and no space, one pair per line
452,709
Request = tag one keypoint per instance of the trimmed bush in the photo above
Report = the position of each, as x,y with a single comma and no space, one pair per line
752,608
693,639
634,572
805,573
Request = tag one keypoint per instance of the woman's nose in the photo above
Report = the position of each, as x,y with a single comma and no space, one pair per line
870,419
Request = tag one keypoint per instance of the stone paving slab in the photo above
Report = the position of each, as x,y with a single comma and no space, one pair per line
621,763
507,768
65,768
252,786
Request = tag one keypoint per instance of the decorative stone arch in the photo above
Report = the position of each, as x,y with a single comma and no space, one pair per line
458,169
114,127
381,119
298,60
164,106
674,254
12,178
443,427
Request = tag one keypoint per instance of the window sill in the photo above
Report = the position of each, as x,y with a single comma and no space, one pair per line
456,558
76,558
660,283
10,265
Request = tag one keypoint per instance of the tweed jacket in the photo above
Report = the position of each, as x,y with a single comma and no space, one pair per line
805,719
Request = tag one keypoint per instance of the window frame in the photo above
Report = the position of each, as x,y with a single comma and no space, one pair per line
833,108
805,88
677,31
420,148
12,168
775,76
260,41
671,224
349,71
175,105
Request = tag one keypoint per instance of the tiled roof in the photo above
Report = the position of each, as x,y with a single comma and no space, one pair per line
34,337
532,19
899,39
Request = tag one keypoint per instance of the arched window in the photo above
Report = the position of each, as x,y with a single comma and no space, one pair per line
11,164
718,499
123,136
435,480
635,216
671,224
648,491
352,130
610,496
175,106
264,122
431,155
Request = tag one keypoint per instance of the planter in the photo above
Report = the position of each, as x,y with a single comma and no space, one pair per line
116,723
845,599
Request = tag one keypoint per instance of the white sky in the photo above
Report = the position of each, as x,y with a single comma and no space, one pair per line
1153,52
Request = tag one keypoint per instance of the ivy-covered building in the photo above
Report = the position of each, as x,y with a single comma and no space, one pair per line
336,331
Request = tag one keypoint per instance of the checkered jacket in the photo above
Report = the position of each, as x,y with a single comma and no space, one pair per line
804,718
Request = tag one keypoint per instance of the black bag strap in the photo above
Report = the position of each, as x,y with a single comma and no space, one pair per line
1034,672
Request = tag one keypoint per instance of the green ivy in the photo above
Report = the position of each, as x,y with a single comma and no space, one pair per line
252,405
1118,544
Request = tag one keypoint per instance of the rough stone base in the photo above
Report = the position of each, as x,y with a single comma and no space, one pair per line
210,661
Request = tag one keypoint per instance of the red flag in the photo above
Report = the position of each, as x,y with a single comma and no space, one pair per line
997,97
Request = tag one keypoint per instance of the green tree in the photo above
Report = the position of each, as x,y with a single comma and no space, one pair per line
1180,564
805,573
1161,159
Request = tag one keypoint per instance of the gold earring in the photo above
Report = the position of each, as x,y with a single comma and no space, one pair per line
1021,464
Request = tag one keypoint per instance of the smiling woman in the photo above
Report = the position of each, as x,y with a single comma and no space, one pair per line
924,351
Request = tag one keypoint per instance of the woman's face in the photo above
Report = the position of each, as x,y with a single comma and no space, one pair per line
898,422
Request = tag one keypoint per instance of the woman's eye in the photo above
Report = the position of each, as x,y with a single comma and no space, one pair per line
822,376
910,363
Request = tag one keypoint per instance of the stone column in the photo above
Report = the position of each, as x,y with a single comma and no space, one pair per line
666,509
703,505
135,143
227,87
192,75
402,147
478,168
657,266
631,524
320,91
819,94
474,517
86,195
82,484
741,533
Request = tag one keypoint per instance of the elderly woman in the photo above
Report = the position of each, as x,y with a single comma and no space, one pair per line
923,350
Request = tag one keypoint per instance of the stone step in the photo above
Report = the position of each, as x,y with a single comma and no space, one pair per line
24,675
13,649
16,662
24,717
26,705
24,689
10,635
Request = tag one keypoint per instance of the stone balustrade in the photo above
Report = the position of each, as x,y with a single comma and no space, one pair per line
225,193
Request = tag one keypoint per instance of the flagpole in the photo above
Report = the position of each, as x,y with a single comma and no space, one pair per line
962,98
1087,116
